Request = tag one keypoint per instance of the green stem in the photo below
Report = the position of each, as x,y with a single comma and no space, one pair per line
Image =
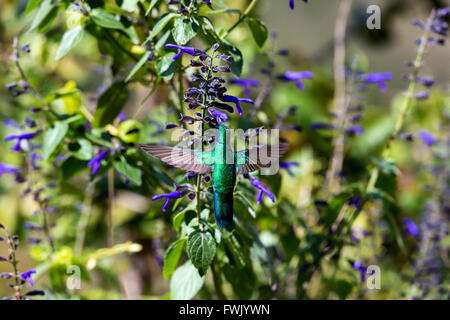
399,123
241,18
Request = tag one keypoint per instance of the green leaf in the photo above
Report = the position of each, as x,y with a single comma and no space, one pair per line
184,29
31,5
166,66
82,149
138,65
53,138
172,256
201,248
185,282
70,39
110,104
160,25
105,19
129,171
162,40
71,167
259,30
44,10
151,6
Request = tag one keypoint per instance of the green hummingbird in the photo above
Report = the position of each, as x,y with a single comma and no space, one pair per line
224,164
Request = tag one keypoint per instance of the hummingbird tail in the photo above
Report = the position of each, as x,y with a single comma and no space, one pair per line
223,210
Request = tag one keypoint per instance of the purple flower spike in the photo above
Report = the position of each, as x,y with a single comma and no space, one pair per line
246,84
377,78
411,228
443,12
237,101
288,166
261,190
168,196
19,138
220,116
188,50
26,276
297,77
95,163
427,138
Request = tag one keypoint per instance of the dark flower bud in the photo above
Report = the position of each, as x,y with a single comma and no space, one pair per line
206,179
283,52
225,58
171,125
221,69
187,119
191,196
190,175
196,63
215,47
35,293
223,106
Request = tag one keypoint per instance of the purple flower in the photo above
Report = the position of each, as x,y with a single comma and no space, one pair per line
7,169
236,101
95,163
321,126
220,116
26,276
168,196
246,84
411,228
261,190
354,130
288,166
11,123
292,3
357,265
122,116
377,78
297,77
427,138
188,50
20,137
443,12
424,95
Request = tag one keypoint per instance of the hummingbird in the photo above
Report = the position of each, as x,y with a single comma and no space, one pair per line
223,162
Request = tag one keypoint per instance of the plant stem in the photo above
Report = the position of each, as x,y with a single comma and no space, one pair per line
217,282
399,123
241,18
84,218
110,231
14,262
341,98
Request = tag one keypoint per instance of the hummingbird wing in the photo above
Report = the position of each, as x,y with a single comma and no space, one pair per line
190,160
259,157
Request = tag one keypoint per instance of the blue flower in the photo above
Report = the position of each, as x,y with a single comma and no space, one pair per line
95,163
7,169
411,228
427,138
357,265
26,276
377,78
188,50
261,190
246,84
297,77
168,196
236,101
20,137
288,166
220,116
292,3
354,130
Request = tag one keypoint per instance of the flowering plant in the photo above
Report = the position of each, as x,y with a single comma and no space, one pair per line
112,176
